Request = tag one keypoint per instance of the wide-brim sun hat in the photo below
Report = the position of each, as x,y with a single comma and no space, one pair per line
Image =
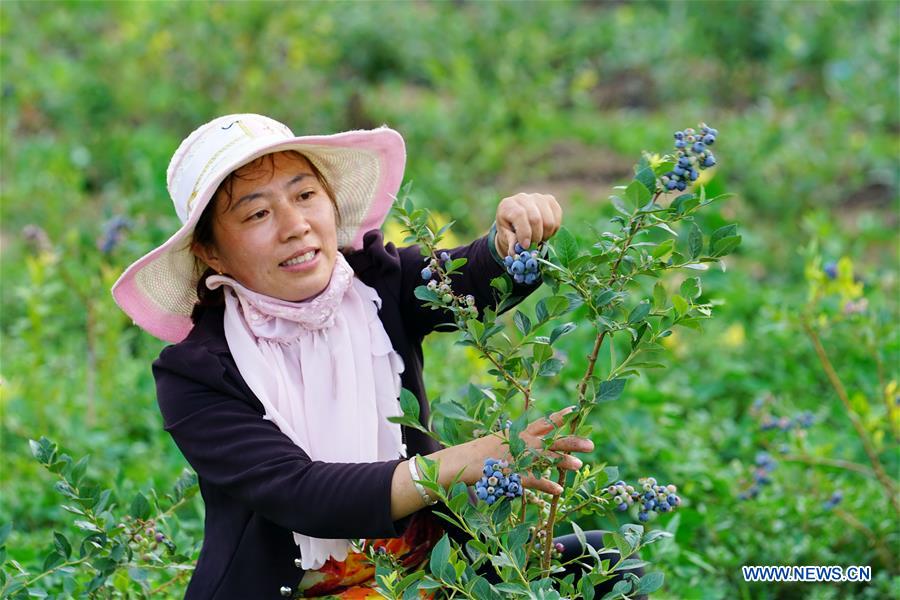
364,169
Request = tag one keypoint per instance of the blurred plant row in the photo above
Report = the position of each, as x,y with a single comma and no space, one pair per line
779,422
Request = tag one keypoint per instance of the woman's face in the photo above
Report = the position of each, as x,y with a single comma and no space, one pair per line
278,235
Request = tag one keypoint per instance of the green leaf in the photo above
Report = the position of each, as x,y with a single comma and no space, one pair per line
639,312
550,367
695,241
650,582
423,293
541,352
720,234
523,323
409,404
659,296
565,245
637,194
456,263
561,330
51,560
440,555
690,288
556,305
647,178
604,297
140,507
663,249
725,245
61,544
680,304
610,390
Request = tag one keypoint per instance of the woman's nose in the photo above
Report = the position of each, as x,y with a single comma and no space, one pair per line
293,221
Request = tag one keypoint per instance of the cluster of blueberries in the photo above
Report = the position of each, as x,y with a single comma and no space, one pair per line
467,308
652,497
692,154
428,271
804,420
765,464
523,265
112,233
497,483
833,501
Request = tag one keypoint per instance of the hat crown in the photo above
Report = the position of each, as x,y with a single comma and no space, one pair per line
219,143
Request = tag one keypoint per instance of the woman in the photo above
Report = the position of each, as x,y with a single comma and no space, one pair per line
294,327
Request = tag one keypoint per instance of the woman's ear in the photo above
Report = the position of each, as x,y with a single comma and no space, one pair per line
208,255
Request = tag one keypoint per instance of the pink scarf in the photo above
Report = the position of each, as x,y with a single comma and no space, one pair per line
325,372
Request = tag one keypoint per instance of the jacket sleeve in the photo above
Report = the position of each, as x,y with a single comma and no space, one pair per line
229,444
483,264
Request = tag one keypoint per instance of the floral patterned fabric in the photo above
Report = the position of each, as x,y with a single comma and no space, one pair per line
354,577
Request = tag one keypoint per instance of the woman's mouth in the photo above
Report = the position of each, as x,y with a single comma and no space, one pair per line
301,262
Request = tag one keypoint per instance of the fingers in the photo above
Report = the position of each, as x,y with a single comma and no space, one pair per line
572,443
547,424
543,485
528,219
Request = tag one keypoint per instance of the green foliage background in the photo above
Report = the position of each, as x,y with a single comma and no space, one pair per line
492,98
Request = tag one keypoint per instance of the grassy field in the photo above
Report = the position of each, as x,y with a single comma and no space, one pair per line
800,360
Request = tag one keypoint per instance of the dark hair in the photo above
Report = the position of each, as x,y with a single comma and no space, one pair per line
203,231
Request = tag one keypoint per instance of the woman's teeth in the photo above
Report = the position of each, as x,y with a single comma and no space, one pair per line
300,259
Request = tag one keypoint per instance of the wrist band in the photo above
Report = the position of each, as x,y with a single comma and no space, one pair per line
415,479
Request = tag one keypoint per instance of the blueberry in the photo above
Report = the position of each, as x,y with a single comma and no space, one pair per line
490,499
650,504
643,516
445,257
680,144
493,480
481,493
498,474
519,278
622,507
698,147
679,135
671,185
678,171
712,132
519,248
514,487
681,186
649,495
830,270
517,267
694,174
508,261
684,161
531,265
709,140
710,161
426,273
530,278
672,499
663,507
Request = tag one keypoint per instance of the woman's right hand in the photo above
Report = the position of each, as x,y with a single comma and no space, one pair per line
473,454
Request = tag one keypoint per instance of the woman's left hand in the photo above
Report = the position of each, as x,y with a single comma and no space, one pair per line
527,219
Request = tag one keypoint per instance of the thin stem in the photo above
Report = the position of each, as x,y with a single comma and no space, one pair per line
829,462
56,568
178,577
883,552
886,482
561,479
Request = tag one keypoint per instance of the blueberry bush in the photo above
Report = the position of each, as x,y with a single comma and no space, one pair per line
603,289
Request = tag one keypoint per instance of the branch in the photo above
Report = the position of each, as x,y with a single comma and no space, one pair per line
886,482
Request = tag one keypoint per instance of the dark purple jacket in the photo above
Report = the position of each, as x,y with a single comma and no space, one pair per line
256,484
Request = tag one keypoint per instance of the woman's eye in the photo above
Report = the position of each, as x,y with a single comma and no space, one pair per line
257,215
307,194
